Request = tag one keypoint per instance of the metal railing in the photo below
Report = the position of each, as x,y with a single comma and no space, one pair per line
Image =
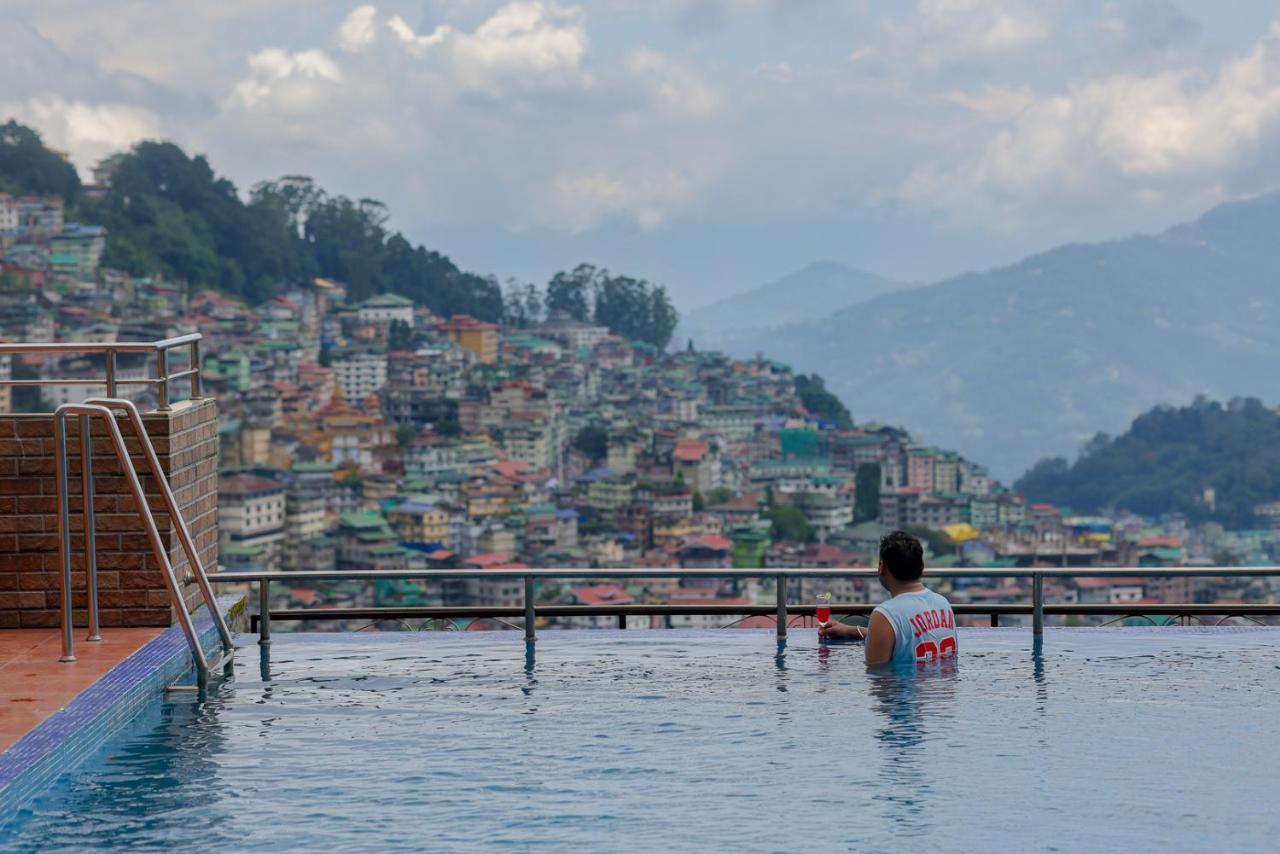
530,610
105,409
110,353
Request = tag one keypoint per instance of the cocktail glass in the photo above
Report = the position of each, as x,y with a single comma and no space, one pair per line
822,609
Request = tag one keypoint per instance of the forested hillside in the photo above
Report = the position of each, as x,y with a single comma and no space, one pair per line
1168,459
169,213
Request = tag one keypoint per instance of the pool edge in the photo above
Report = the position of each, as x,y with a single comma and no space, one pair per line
84,724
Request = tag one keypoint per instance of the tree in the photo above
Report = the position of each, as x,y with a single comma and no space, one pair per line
521,305
593,442
698,503
26,166
1168,460
866,506
405,434
168,213
719,495
570,293
813,393
400,336
789,524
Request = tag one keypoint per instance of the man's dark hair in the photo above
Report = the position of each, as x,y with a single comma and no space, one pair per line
902,555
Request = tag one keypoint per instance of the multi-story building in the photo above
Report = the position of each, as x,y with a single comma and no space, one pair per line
475,336
576,334
251,514
359,375
84,243
365,542
386,308
697,463
419,521
920,465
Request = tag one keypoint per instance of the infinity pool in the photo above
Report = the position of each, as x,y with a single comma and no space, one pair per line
1115,738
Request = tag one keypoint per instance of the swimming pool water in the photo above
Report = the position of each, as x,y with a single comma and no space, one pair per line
1115,738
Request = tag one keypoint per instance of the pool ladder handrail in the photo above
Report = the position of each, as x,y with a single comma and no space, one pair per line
106,408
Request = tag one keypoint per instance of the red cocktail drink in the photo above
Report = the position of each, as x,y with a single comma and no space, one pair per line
823,611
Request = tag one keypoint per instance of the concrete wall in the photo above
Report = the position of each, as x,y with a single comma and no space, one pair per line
131,584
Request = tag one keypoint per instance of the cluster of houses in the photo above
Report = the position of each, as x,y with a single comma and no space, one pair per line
372,434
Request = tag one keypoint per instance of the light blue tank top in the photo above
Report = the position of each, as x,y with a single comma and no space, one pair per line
923,626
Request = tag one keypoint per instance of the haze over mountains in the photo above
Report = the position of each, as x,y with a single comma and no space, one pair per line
806,294
1031,360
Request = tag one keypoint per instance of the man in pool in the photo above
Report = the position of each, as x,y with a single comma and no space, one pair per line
914,624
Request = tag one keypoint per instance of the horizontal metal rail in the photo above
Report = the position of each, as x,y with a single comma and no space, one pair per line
110,351
238,576
21,347
530,610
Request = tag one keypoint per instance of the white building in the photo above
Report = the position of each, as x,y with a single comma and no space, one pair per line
251,512
8,214
386,308
360,375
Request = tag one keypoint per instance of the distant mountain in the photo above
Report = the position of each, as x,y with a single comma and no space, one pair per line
807,294
1030,360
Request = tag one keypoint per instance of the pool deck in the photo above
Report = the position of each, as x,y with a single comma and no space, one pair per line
34,685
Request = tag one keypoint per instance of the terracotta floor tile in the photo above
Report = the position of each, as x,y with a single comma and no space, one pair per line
34,684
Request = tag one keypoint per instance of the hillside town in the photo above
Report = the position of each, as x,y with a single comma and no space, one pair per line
371,434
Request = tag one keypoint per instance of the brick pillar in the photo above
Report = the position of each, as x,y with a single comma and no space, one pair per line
131,586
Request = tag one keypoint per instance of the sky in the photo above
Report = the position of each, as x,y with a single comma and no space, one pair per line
710,145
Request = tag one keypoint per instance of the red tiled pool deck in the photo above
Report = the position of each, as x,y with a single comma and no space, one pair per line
34,684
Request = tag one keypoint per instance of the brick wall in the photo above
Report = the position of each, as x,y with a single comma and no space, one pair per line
131,586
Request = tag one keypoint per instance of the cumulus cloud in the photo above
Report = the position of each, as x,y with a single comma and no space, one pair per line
1143,137
359,30
521,42
292,80
86,131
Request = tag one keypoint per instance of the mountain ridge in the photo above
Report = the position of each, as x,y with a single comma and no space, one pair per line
1030,359
804,294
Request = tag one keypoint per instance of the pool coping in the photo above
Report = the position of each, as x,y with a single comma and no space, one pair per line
83,725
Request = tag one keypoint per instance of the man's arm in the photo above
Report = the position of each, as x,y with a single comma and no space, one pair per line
878,634
880,639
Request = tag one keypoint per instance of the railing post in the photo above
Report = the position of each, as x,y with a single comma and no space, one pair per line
622,621
111,372
196,389
90,544
529,616
264,612
64,535
162,375
1037,604
782,605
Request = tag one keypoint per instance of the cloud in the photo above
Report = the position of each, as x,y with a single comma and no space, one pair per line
359,30
584,200
994,103
88,132
942,32
1177,133
295,81
522,43
674,85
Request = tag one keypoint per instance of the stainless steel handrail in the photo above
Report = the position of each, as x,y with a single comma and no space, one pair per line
104,409
110,351
1036,574
175,512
